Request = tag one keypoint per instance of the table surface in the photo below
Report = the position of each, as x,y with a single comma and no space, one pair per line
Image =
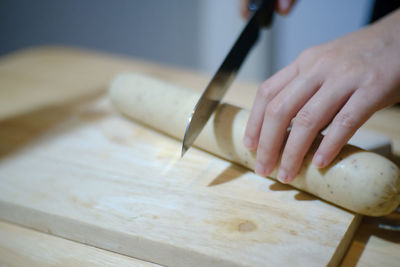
371,245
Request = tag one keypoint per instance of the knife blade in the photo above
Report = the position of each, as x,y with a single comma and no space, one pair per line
223,78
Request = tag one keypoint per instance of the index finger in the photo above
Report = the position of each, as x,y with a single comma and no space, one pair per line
267,91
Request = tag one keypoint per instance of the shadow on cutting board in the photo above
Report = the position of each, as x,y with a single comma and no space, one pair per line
302,196
31,128
231,173
370,228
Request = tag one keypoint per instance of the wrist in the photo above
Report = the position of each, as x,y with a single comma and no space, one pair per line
388,29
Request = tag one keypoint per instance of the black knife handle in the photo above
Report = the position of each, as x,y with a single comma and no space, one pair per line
265,11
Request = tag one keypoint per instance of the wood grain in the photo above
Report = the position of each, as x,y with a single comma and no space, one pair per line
33,144
374,246
100,179
20,246
43,77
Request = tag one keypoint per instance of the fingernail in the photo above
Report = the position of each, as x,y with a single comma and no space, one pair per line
248,142
318,161
260,170
282,176
268,170
284,5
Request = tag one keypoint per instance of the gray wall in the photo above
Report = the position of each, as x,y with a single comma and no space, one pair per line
189,33
158,30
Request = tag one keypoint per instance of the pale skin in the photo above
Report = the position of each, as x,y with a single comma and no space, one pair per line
341,83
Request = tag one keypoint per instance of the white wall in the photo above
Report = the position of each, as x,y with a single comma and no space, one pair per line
195,34
313,22
219,26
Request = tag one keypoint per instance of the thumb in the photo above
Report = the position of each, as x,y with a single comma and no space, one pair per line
244,8
284,6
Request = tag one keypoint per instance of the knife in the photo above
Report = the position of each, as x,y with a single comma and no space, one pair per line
262,13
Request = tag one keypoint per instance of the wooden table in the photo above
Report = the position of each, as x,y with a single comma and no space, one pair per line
371,245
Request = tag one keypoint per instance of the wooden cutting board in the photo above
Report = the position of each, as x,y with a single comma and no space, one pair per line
20,246
83,172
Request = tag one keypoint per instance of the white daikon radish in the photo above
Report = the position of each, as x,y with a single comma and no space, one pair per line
358,180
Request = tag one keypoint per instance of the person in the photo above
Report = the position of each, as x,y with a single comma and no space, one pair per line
340,83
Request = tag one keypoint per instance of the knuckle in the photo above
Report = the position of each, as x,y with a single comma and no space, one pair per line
328,56
309,56
325,59
374,79
346,120
309,53
290,157
275,109
349,67
295,67
263,149
252,129
265,90
304,118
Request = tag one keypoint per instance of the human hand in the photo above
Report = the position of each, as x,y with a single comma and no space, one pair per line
343,82
283,7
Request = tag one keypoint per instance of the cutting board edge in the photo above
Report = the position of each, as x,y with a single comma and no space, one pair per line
61,227
342,247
